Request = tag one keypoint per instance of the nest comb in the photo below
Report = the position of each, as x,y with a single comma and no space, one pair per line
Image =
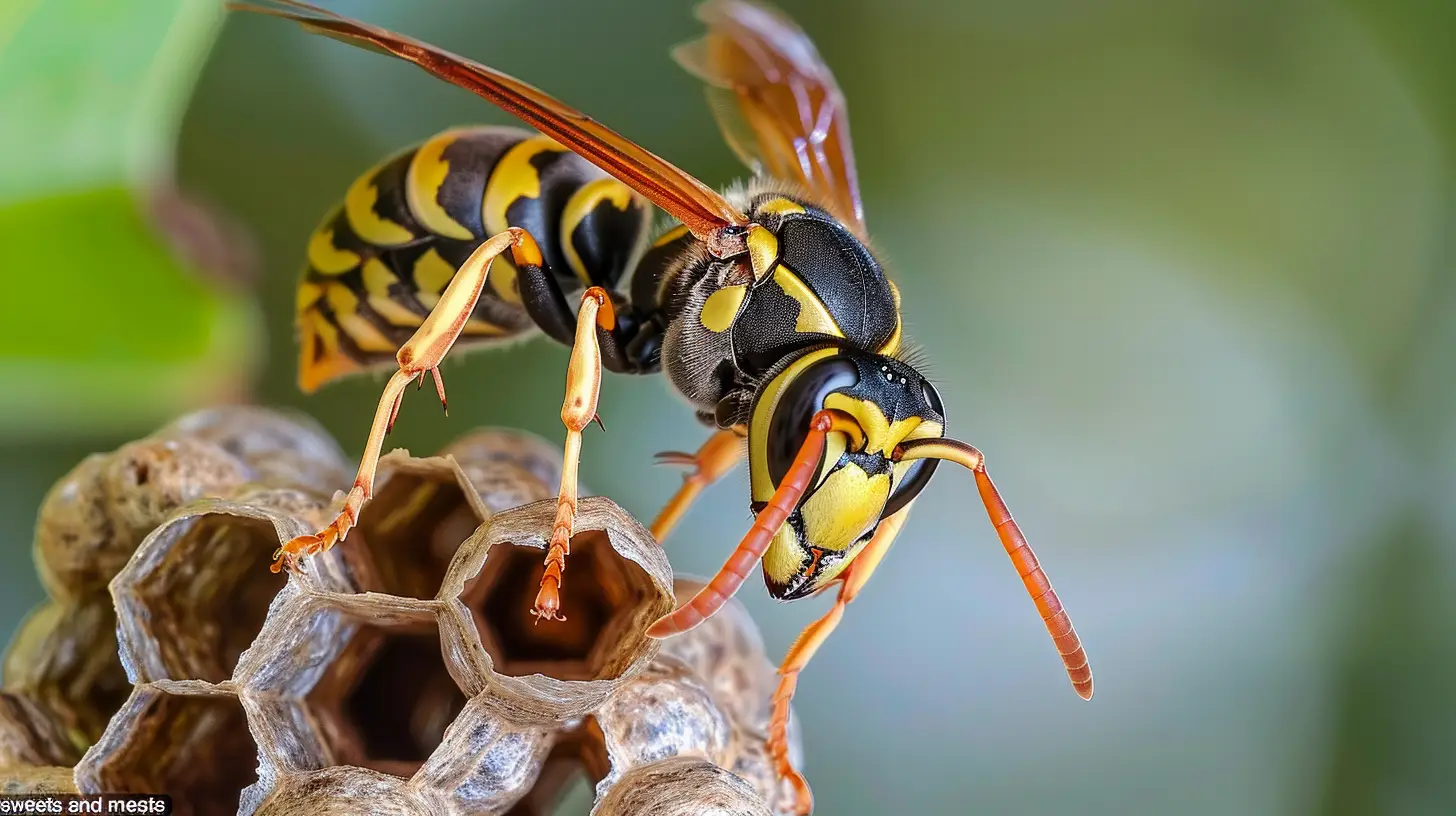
400,673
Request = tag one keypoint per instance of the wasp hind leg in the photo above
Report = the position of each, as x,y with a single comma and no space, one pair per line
420,355
583,386
809,641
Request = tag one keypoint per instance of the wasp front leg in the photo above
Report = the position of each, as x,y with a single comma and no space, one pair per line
583,386
809,641
420,355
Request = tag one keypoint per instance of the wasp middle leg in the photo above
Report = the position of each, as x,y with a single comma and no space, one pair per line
420,355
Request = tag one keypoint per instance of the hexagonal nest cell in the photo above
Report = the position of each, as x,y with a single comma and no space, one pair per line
421,512
602,591
398,673
201,623
389,696
189,740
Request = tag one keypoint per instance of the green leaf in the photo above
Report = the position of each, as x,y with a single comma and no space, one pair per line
103,326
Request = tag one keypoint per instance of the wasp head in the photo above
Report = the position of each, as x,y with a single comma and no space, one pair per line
858,481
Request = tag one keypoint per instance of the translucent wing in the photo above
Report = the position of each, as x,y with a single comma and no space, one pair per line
776,101
687,199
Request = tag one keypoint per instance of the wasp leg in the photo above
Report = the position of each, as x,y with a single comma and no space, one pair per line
765,526
809,641
583,385
714,460
422,354
546,304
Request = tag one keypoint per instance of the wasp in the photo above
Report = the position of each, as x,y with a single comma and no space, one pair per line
765,306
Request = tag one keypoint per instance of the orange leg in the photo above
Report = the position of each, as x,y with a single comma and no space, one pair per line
583,384
422,354
765,526
719,455
809,641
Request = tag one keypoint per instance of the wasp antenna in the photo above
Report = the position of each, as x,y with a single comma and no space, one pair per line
1038,586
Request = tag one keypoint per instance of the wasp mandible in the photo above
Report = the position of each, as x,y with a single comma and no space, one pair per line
765,307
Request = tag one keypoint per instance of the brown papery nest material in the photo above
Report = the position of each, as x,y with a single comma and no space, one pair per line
400,673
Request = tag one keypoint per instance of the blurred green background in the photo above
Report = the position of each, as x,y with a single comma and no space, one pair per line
1184,270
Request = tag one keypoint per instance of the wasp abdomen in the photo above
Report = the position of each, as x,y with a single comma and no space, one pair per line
379,261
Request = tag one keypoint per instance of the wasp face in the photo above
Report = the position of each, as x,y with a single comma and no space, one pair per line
858,481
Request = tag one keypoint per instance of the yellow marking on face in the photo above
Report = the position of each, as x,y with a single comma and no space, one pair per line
835,570
432,274
365,335
721,308
844,507
762,486
780,206
377,280
359,209
763,250
324,257
892,346
784,556
835,444
881,435
427,171
671,235
814,316
580,205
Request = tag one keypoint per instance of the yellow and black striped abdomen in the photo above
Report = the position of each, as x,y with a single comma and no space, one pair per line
379,261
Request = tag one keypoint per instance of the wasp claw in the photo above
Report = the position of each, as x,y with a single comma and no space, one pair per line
675,458
597,418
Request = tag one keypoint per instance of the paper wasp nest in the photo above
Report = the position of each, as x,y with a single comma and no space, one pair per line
400,674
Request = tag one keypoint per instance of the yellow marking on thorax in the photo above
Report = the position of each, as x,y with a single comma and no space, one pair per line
763,250
892,345
365,335
762,486
377,280
721,307
427,172
359,209
513,178
780,206
324,257
579,206
671,235
814,316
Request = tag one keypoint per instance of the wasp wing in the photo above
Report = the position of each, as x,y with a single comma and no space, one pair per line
776,101
684,197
